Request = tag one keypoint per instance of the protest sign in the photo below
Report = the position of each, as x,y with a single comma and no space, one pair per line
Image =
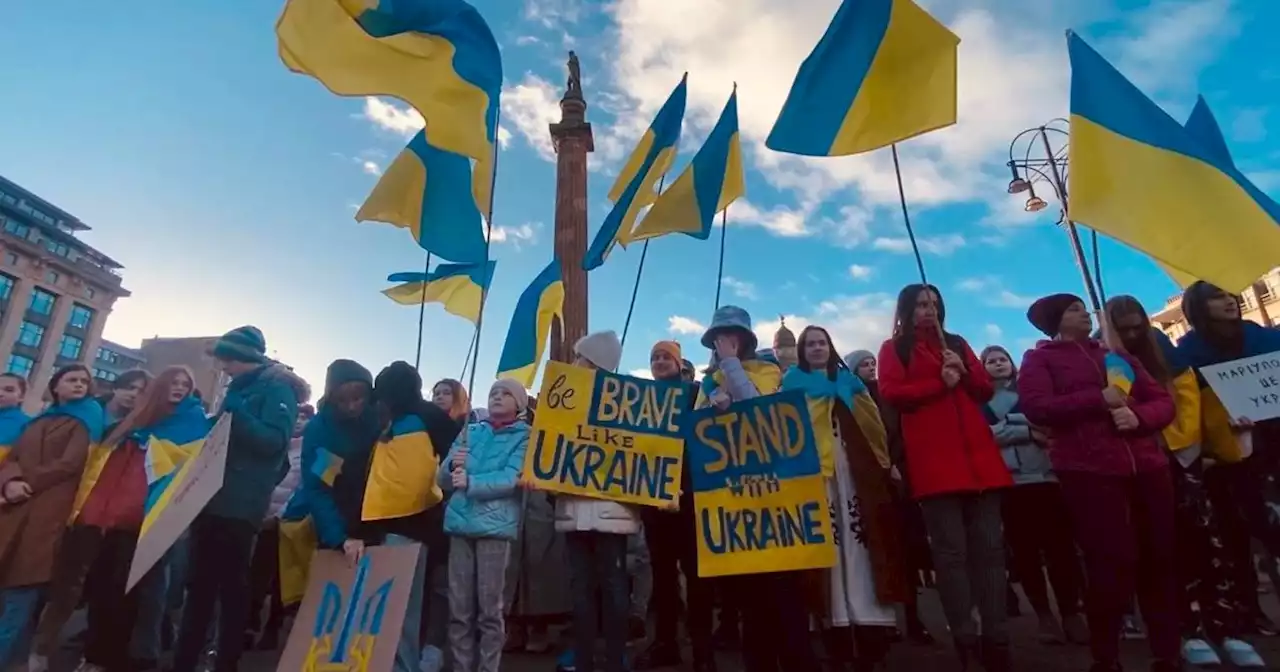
1249,387
598,434
759,497
352,616
197,481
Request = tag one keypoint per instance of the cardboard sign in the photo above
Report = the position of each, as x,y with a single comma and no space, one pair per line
351,617
759,497
197,482
1249,387
598,434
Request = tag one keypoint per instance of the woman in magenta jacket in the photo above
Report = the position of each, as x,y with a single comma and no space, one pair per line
1105,448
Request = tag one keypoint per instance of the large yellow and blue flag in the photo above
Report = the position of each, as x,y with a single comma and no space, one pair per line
438,196
459,288
12,422
437,55
1140,177
540,303
635,187
884,71
714,179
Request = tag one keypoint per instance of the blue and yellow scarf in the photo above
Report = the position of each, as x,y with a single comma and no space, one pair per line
12,422
821,392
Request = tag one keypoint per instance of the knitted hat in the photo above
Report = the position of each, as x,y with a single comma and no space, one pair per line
730,318
857,357
670,347
345,371
516,390
601,348
1046,313
244,344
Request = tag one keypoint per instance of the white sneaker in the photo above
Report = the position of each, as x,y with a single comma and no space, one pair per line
1242,653
1198,653
37,663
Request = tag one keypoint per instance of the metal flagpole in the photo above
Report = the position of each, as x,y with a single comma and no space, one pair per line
635,289
422,313
911,234
724,227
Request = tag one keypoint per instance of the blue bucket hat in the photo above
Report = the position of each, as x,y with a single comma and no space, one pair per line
244,344
730,318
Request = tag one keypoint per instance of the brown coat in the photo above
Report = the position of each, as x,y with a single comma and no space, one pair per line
50,457
880,517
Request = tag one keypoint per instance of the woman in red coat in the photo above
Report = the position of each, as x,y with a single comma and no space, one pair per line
1104,413
954,467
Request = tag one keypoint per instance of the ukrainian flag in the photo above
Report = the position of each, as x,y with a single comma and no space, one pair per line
437,55
712,181
884,71
459,287
1120,374
438,196
12,422
531,325
170,444
1142,178
635,186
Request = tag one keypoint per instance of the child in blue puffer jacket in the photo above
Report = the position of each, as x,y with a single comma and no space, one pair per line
481,518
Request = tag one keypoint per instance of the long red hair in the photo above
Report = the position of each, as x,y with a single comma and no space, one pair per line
153,407
461,403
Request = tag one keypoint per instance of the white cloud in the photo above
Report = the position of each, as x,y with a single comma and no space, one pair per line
370,167
740,288
994,332
860,272
854,322
552,13
780,220
532,106
403,121
993,292
504,137
1169,42
640,373
519,235
936,245
678,324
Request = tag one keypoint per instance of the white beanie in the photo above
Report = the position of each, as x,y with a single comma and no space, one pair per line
601,348
516,390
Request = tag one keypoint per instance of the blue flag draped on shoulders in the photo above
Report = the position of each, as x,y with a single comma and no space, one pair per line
1167,190
88,411
169,444
884,71
458,287
12,422
636,183
713,180
530,327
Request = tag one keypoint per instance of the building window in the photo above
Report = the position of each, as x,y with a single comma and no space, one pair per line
81,317
17,228
57,248
103,374
42,301
6,287
21,365
11,258
52,277
30,334
70,347
105,355
90,292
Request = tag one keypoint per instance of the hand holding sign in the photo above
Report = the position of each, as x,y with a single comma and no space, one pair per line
1249,388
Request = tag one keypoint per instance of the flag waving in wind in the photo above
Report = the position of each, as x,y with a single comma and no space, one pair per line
712,181
459,287
884,71
634,188
530,326
1170,191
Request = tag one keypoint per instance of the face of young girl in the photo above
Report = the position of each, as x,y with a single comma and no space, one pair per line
179,388
442,397
72,386
998,365
817,351
10,392
501,403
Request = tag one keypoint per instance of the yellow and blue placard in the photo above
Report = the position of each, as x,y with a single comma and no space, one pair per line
402,473
884,71
601,435
1170,191
458,287
759,497
530,326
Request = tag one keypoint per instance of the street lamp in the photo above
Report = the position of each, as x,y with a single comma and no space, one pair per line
1051,168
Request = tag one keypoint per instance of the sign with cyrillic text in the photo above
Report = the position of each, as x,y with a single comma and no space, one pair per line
601,435
759,496
1249,387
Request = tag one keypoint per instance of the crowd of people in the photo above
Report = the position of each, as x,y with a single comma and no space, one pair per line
1098,468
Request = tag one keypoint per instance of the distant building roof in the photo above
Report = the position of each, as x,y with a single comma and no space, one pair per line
133,353
66,218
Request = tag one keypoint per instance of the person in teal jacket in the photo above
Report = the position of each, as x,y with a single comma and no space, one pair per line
262,399
482,519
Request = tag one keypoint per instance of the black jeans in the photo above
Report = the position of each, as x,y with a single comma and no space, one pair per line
775,623
221,550
598,562
673,550
1037,529
264,584
111,611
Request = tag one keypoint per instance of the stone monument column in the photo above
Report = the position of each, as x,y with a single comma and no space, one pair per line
572,139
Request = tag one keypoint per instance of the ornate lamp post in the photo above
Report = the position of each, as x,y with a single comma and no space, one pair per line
1033,158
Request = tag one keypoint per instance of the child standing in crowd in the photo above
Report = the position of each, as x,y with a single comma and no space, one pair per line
936,384
858,594
39,479
481,519
1036,521
596,535
124,394
1113,473
262,400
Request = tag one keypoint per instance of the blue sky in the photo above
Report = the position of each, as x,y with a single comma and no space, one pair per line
227,185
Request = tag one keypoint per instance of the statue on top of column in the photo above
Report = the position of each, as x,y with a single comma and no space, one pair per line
575,75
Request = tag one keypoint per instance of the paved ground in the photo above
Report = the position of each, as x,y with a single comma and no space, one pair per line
1028,655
